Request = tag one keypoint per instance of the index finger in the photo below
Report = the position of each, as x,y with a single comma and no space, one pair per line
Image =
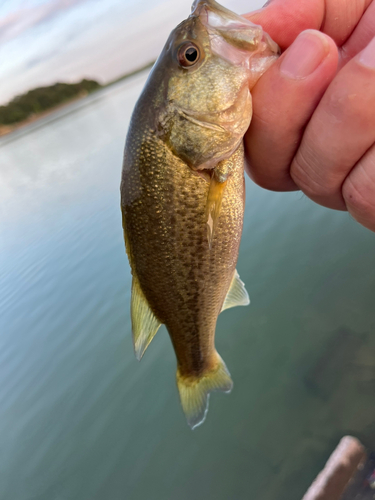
285,19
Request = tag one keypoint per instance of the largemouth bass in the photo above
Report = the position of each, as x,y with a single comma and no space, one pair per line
182,191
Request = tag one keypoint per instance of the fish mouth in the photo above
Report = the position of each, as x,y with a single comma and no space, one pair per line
235,38
214,15
205,121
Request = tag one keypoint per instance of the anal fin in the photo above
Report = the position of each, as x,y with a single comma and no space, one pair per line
237,294
144,322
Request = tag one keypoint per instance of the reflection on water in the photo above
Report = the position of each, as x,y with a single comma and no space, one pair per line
81,419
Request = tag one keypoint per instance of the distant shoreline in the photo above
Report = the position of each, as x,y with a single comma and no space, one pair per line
8,129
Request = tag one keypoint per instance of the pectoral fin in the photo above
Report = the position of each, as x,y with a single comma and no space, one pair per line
144,322
237,294
214,200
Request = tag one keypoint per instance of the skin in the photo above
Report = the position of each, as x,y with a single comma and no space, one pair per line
316,132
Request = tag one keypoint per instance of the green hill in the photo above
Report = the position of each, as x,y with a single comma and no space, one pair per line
43,98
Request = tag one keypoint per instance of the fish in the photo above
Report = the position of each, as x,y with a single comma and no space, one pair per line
182,191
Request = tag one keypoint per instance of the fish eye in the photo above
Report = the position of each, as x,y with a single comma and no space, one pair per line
188,54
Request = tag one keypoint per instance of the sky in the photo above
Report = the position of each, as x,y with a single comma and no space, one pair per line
45,41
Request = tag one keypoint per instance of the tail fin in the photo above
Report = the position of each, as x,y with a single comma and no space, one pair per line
194,392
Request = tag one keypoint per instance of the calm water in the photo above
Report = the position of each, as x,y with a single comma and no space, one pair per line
81,419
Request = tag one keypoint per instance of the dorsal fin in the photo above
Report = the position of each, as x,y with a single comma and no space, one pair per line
237,294
144,322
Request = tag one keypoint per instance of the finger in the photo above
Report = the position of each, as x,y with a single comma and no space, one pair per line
283,102
339,133
285,19
361,36
359,190
341,17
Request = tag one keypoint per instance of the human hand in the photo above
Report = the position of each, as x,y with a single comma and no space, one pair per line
313,126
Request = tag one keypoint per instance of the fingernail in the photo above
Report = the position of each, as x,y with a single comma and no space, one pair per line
305,54
367,56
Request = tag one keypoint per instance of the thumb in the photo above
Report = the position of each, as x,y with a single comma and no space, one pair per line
284,99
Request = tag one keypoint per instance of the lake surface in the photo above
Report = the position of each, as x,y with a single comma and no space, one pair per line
81,419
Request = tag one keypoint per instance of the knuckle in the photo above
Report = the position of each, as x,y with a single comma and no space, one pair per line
359,200
304,173
262,179
315,178
350,96
338,103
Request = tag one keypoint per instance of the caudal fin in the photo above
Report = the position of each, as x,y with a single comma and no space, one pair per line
195,391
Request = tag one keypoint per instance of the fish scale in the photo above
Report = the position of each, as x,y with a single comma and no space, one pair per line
180,217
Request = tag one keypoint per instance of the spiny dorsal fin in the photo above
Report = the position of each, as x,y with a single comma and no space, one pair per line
237,294
195,391
144,322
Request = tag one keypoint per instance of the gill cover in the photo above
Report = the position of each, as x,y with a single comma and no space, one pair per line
207,103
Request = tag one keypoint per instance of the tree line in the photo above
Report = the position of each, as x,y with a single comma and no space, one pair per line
43,98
